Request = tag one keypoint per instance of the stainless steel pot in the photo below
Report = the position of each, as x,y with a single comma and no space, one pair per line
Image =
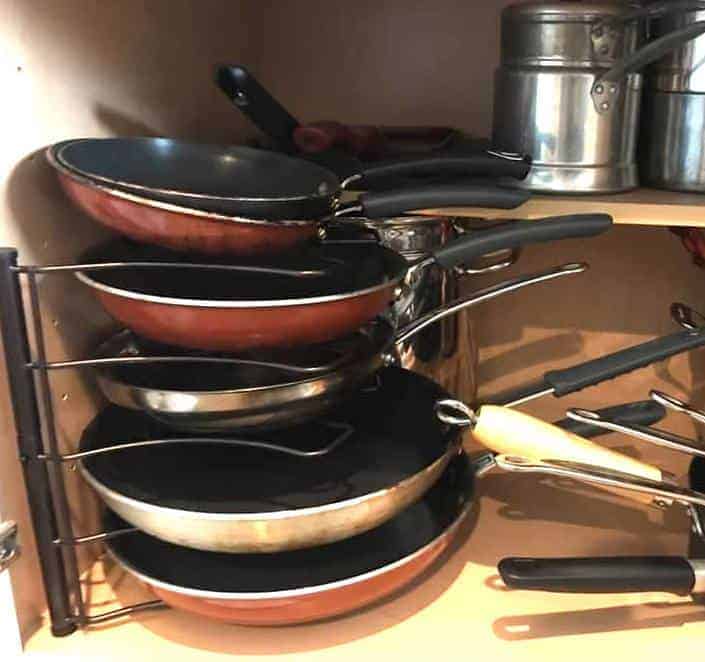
672,149
568,91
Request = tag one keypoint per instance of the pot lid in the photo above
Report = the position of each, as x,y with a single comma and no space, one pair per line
588,10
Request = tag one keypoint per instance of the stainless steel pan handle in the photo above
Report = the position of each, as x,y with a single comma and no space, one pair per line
644,433
663,493
651,435
486,295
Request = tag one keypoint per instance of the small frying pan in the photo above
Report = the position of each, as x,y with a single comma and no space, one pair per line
305,585
328,292
282,203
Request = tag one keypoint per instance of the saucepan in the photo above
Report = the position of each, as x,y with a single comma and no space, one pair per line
243,201
321,294
371,456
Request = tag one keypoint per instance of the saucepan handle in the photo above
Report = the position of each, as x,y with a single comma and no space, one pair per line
482,164
626,574
627,360
465,249
606,88
396,202
644,412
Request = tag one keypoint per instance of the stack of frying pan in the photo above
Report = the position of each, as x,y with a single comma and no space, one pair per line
262,455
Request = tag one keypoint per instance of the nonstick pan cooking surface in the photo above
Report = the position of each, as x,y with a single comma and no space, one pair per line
415,527
348,267
397,435
156,165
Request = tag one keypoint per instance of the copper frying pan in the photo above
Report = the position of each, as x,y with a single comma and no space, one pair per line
330,290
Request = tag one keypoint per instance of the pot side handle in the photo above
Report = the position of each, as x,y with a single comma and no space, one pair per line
606,88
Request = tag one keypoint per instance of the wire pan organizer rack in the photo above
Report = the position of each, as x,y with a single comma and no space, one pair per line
37,441
32,402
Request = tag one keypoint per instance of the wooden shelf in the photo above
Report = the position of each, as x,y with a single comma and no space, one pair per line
639,207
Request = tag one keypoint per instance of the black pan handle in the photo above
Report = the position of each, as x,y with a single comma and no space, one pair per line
520,233
255,102
599,370
458,194
626,574
645,412
482,164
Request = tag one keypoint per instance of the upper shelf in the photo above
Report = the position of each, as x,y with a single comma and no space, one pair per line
639,207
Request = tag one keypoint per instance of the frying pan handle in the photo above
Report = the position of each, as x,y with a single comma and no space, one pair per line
645,412
626,574
515,234
265,112
480,296
462,194
513,433
483,164
599,370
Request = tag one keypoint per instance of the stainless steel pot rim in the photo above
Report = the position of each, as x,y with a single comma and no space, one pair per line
178,209
298,513
299,592
215,303
165,191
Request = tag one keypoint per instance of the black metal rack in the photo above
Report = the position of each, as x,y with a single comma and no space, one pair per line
33,406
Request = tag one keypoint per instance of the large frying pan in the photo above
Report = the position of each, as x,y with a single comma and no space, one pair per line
331,291
305,585
234,200
372,456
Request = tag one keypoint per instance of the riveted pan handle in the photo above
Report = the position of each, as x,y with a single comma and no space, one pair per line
464,250
606,88
627,574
